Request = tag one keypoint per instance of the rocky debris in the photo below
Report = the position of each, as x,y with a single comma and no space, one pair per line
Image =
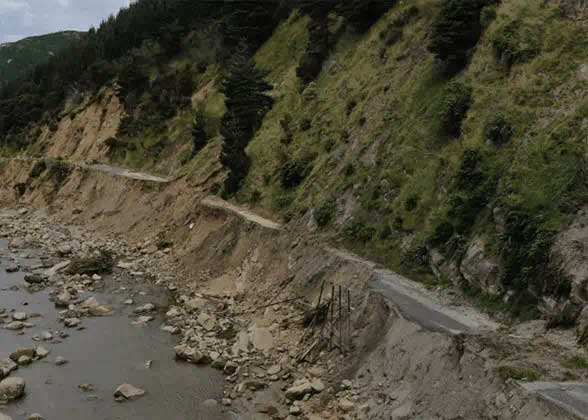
72,322
22,352
345,405
60,361
19,316
191,355
128,392
299,390
15,325
24,361
93,308
34,278
6,367
12,268
41,352
144,309
11,388
86,387
99,263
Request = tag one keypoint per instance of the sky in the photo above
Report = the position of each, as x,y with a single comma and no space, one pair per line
23,18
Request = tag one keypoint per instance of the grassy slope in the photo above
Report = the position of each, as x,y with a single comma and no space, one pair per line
386,152
19,57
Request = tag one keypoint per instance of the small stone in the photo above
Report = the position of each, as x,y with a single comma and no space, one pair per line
345,405
6,367
96,277
148,307
24,360
35,416
13,268
15,326
42,352
226,402
86,387
129,302
295,410
274,370
299,390
60,361
72,322
46,336
19,316
230,368
317,386
128,392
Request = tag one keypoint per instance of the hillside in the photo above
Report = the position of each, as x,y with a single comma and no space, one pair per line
299,144
18,58
452,152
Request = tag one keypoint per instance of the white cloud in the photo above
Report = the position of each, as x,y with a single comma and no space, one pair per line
12,6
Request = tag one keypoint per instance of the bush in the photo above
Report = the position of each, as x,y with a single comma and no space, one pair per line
515,44
58,170
358,230
199,135
456,31
498,130
362,14
454,106
293,173
316,51
324,214
38,168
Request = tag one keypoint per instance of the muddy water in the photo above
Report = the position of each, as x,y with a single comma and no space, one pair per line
109,351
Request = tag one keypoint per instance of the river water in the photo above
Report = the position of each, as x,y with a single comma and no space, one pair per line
109,351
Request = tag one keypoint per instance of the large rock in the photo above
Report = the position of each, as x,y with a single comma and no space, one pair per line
128,392
190,354
27,352
6,367
480,269
94,308
298,390
12,388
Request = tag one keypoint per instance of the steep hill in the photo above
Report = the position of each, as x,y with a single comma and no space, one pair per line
445,139
17,58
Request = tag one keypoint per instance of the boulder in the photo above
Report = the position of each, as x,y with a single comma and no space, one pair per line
299,390
128,392
94,308
19,316
6,367
28,352
12,388
34,278
15,326
72,322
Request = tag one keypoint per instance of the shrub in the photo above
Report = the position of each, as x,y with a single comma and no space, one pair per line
456,30
58,170
293,173
498,130
515,44
38,168
316,51
358,230
199,136
442,233
324,214
411,203
487,15
453,108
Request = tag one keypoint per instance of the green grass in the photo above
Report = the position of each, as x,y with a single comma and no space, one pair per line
576,362
518,373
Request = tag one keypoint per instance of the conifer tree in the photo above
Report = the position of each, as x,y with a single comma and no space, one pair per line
246,104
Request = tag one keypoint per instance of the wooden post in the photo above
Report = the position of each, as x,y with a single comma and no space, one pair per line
332,316
340,320
349,319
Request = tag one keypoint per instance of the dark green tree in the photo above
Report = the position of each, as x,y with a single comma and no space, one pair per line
362,14
246,102
199,136
316,52
456,31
